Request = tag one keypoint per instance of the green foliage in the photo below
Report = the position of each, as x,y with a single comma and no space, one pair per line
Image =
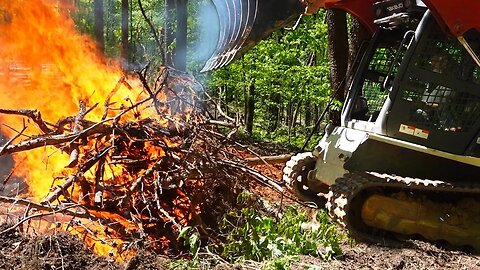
281,137
83,16
289,70
277,242
191,239
281,263
273,243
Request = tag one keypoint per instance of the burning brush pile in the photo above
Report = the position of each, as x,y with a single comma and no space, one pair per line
138,175
122,162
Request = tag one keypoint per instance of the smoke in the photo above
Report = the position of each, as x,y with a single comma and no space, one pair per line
208,29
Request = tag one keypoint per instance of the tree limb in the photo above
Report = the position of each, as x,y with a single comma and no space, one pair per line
35,115
73,160
153,30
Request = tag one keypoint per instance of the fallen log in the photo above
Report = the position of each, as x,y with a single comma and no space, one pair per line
267,160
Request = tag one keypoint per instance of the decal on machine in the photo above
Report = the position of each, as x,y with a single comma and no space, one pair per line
411,130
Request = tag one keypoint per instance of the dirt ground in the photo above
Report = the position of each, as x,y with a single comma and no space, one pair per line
417,255
64,251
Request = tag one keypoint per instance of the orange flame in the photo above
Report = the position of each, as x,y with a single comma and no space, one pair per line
103,240
46,65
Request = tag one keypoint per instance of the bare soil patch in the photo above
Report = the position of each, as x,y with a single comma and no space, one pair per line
418,255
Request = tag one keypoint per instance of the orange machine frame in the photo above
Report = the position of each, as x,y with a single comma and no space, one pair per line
456,16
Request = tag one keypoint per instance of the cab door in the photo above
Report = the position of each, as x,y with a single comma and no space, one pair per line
436,96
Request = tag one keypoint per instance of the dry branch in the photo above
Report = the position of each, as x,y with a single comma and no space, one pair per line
35,115
61,189
99,185
54,139
257,175
50,209
73,161
3,148
138,181
219,108
221,123
111,94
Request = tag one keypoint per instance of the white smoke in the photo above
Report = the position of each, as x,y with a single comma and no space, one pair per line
208,29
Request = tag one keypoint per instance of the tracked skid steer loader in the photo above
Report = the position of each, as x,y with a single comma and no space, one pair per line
405,159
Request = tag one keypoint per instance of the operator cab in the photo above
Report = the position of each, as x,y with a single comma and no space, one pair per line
380,62
416,83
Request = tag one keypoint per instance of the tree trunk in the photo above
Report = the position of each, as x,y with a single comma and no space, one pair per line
290,116
181,36
250,109
308,113
245,104
288,113
312,60
273,111
316,114
357,36
169,25
337,53
99,24
132,40
293,122
125,45
108,31
226,94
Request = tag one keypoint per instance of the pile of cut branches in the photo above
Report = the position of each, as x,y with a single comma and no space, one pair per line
136,178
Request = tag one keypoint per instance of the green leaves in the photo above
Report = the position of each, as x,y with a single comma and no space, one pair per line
262,238
191,239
